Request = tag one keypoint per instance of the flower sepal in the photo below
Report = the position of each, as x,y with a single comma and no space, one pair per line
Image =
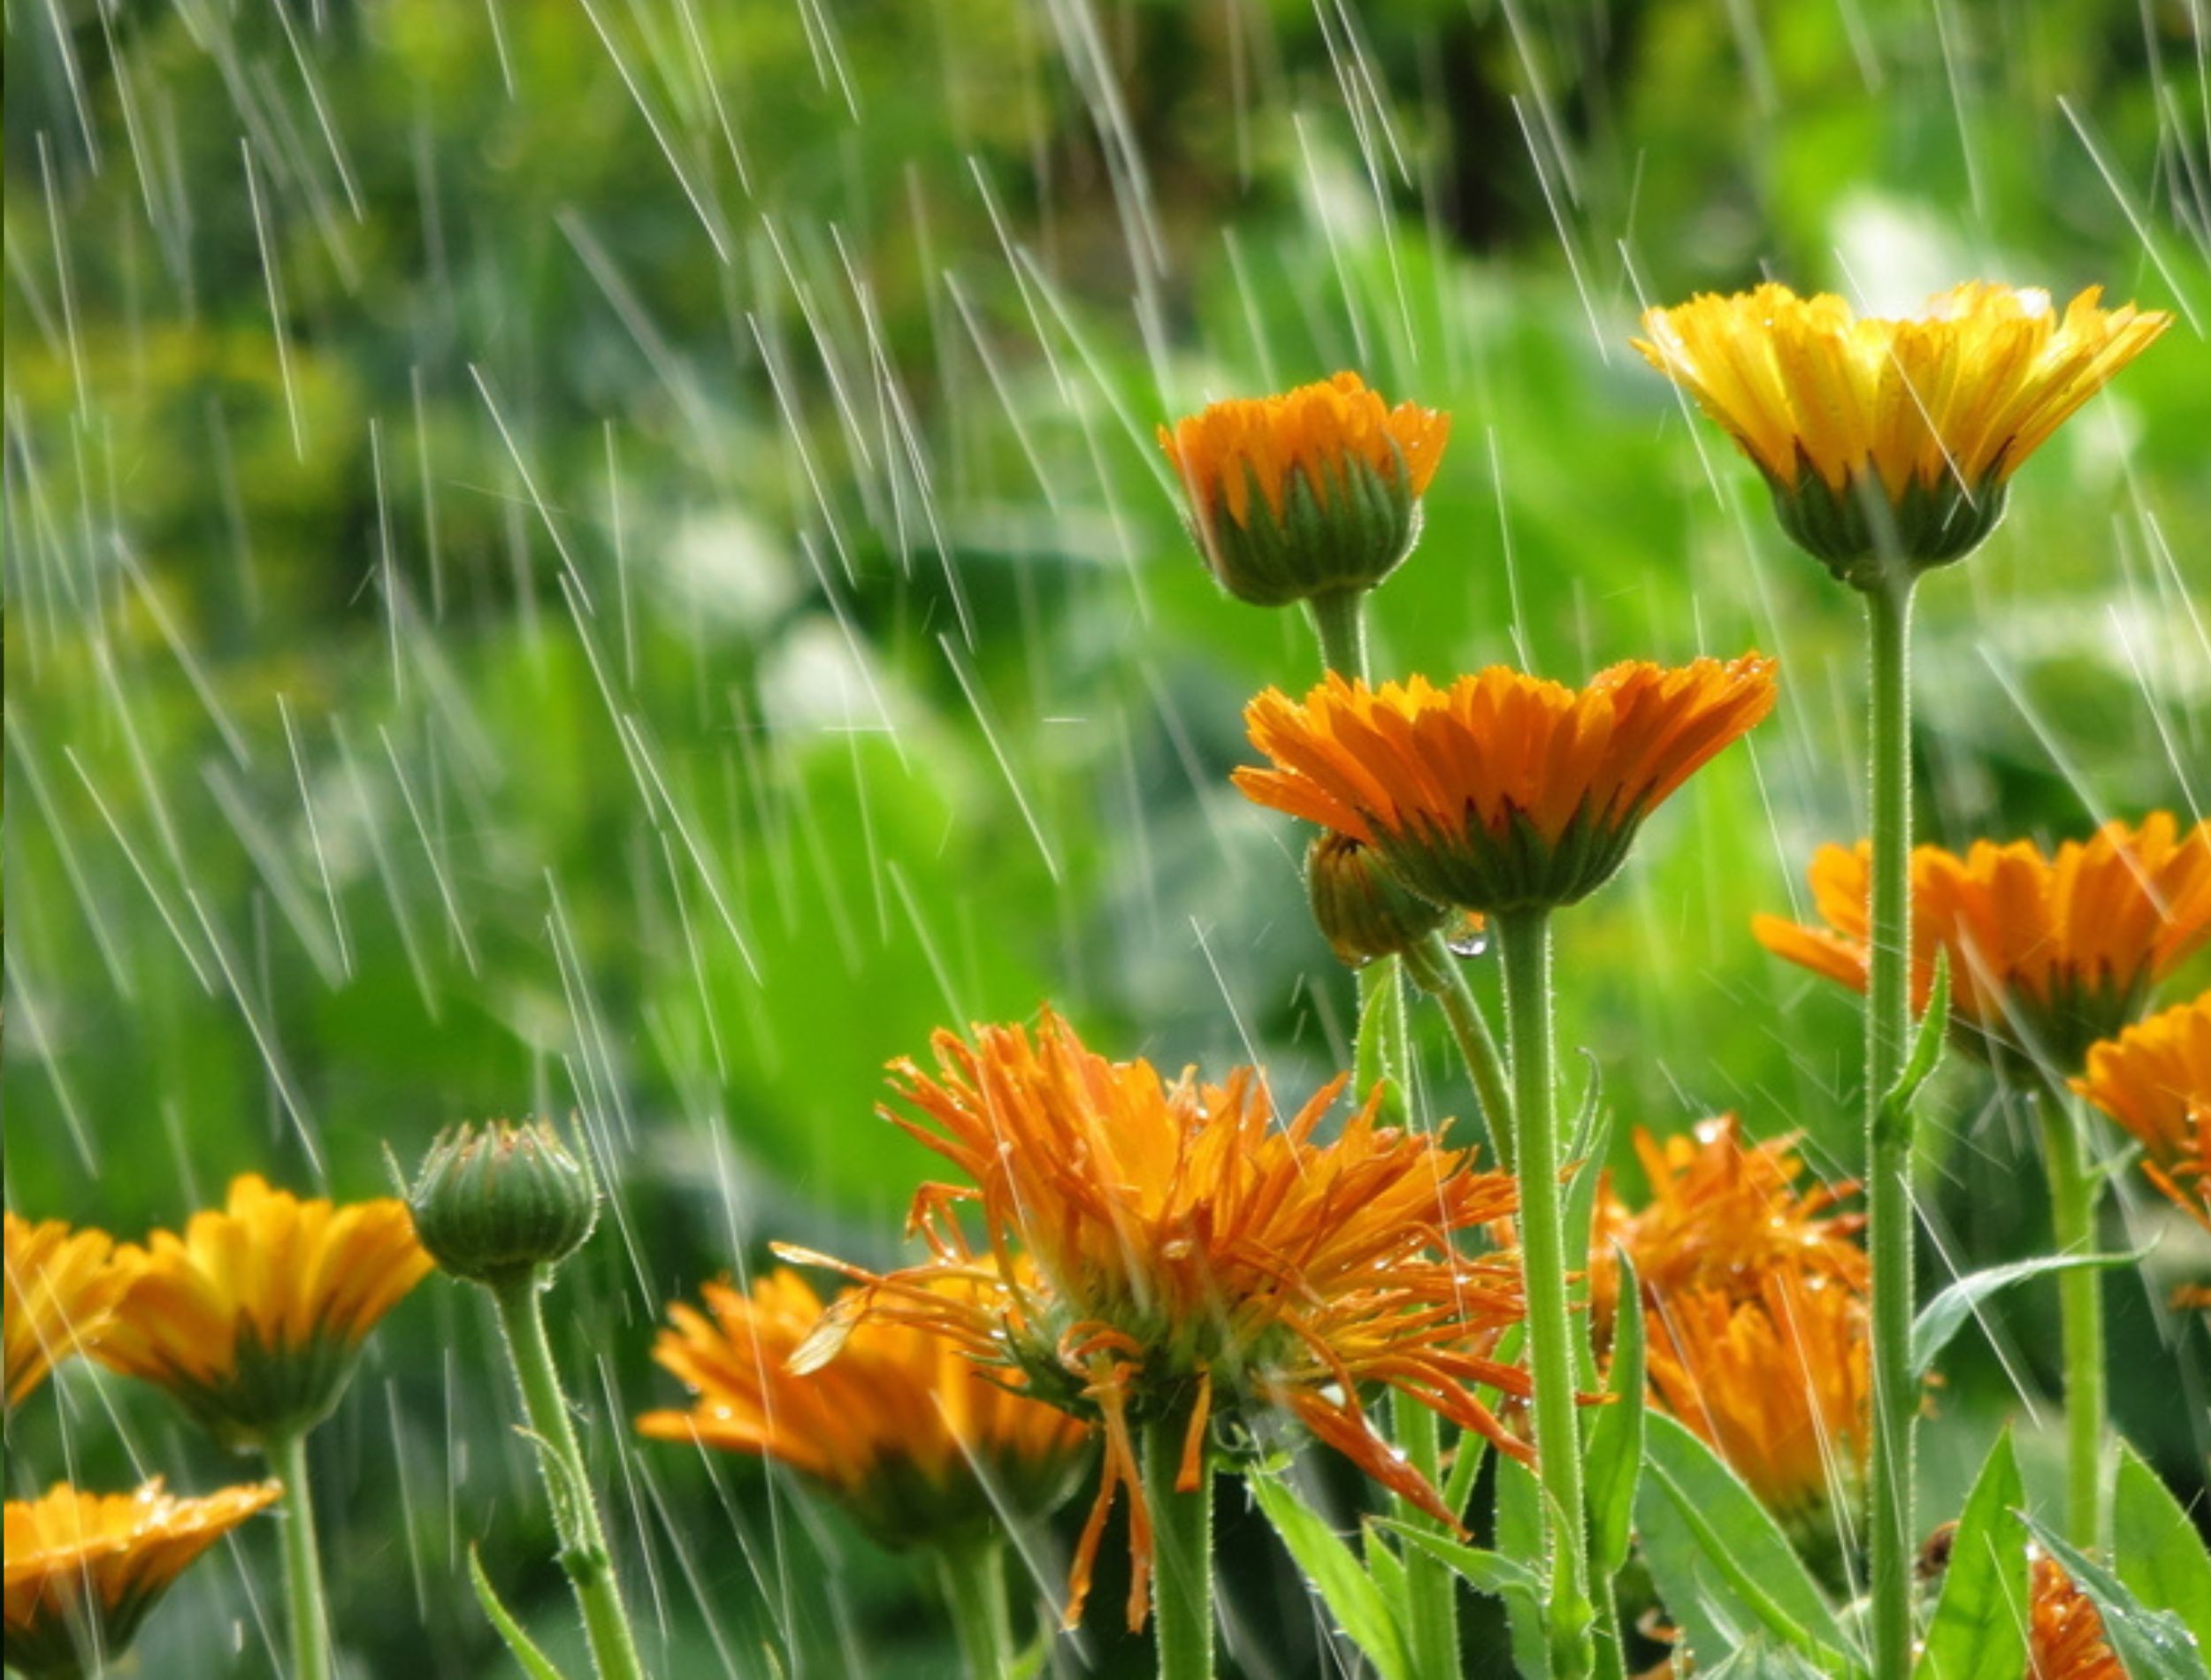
1870,542
493,1202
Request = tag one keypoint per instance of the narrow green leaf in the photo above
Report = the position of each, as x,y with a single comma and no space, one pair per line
534,1663
1353,1598
2158,1553
1758,1658
1486,1572
1520,1535
1942,1317
2150,1644
1616,1439
1722,1564
1381,1026
1980,1630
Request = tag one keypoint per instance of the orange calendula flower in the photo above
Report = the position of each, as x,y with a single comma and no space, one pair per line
2065,1630
902,1427
1722,1215
1502,792
1308,493
2047,953
61,1290
2154,1078
251,1320
1155,1251
1777,1381
1893,437
83,1569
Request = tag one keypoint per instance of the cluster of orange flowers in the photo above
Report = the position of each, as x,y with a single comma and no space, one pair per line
250,1320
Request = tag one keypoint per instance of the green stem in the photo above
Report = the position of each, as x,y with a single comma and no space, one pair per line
973,1576
1340,621
1523,936
1435,970
1889,1147
1431,1588
583,1553
2080,1308
303,1563
1183,1562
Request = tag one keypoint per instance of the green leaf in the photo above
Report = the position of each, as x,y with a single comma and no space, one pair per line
2158,1553
1486,1572
1942,1317
1758,1658
2150,1644
534,1663
1979,1628
1357,1603
1520,1534
1615,1457
1722,1565
1382,1027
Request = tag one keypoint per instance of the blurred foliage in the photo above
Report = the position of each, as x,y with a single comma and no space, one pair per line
577,556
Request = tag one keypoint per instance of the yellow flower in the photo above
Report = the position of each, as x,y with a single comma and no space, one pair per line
1307,493
2065,1630
83,1569
901,1428
1892,436
2049,953
1502,792
61,1291
251,1320
1153,1250
2154,1078
1775,1378
1722,1215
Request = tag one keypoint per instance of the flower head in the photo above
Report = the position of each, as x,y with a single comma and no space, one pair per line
1306,493
902,1428
2047,953
2065,1630
1722,1215
1885,437
497,1202
61,1290
2154,1078
1777,1381
83,1569
1156,1250
1502,792
252,1318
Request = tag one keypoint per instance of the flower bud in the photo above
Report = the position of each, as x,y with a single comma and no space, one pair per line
1312,493
490,1203
1363,910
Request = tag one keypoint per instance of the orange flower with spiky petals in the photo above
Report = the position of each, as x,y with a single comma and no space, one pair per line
1898,433
251,1320
1502,792
2154,1080
61,1290
1777,1381
1722,1214
1307,493
1154,1249
2065,1630
83,1569
2049,953
902,1428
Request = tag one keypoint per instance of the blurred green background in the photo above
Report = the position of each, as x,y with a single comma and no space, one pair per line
608,556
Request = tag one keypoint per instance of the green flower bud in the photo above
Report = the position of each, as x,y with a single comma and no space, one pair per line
1362,910
494,1201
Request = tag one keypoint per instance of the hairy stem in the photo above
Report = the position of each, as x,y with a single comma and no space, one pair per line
1435,970
1182,1560
1889,1145
309,1608
973,1576
583,1553
2073,1194
1525,937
